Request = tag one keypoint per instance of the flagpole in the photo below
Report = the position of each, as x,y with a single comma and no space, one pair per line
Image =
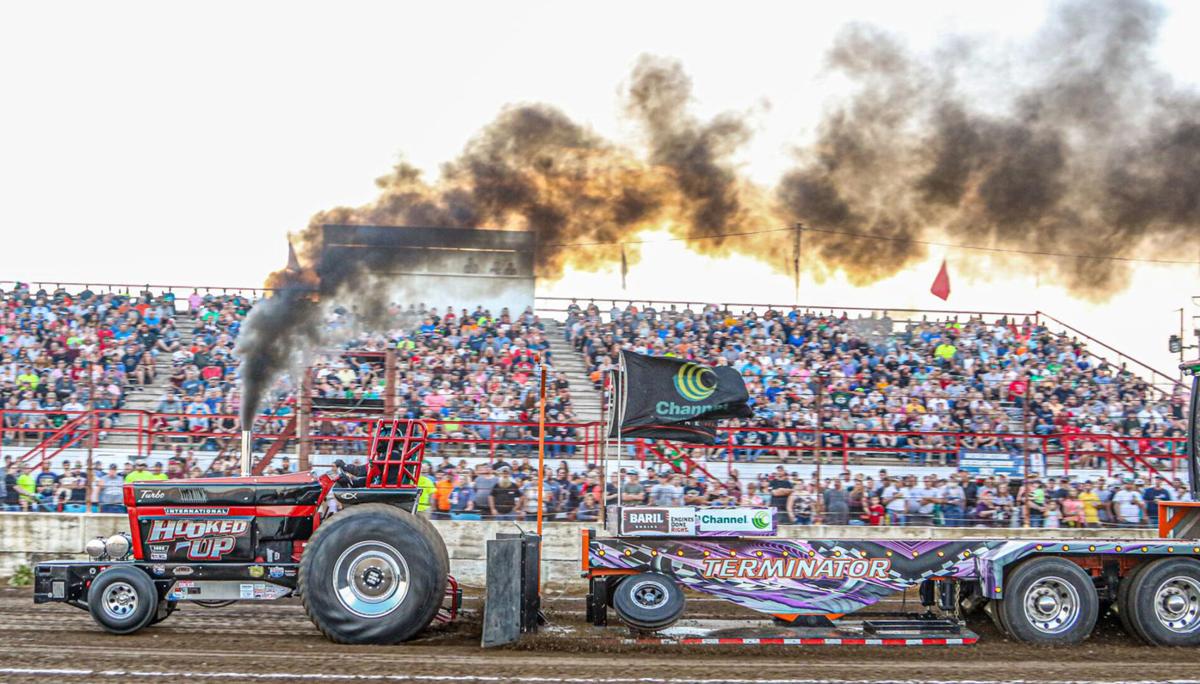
541,446
619,399
796,259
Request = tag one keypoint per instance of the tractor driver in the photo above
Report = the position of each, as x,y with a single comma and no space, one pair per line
350,475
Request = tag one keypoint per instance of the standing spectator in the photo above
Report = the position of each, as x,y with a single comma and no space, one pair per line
800,504
504,500
442,492
632,492
874,513
986,510
462,498
1152,495
1089,501
12,495
952,499
1127,505
837,507
752,497
1052,517
588,510
1072,509
26,488
667,492
780,488
485,481
139,473
111,497
895,501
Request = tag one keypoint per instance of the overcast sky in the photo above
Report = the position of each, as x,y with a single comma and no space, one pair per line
181,142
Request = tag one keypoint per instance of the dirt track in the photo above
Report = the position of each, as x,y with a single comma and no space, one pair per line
267,643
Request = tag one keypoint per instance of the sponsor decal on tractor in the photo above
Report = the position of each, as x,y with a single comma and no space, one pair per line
798,568
175,510
202,539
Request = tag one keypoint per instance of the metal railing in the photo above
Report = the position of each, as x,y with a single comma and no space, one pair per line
837,448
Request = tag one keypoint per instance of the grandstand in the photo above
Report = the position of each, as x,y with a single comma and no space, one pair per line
150,373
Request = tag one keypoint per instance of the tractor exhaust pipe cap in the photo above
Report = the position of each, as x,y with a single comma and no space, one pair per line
245,453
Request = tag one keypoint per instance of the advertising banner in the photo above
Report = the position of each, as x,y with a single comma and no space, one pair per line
999,463
691,521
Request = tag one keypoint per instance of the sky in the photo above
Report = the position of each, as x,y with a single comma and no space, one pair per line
180,142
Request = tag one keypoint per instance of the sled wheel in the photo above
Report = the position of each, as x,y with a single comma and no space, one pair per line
122,599
1124,609
1165,602
163,611
1049,601
649,601
372,574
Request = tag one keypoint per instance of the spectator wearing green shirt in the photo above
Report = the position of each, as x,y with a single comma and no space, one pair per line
27,489
139,473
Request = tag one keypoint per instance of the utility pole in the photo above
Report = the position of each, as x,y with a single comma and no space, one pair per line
822,375
1025,445
91,440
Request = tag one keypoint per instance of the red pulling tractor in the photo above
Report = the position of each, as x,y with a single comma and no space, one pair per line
373,573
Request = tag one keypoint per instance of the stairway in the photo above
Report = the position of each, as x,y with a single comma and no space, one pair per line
585,398
148,398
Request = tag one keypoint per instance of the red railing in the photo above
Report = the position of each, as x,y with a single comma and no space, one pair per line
840,448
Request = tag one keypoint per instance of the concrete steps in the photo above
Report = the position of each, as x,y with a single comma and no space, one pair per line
585,399
148,398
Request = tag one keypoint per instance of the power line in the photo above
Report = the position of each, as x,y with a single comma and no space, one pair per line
888,238
677,239
1029,252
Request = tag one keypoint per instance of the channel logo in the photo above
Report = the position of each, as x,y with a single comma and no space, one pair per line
695,382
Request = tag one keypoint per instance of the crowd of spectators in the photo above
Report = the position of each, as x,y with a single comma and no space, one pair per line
450,366
917,390
61,353
906,386
507,489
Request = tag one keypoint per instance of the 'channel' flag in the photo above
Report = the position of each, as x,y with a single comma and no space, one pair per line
662,397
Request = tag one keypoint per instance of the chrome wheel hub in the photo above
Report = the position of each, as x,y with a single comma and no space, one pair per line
649,595
370,579
1177,604
1052,605
119,600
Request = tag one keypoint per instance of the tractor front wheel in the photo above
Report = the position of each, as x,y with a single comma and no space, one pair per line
122,599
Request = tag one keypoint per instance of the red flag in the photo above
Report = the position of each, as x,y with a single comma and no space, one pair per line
941,284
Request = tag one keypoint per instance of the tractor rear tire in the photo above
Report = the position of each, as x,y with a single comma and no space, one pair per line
648,601
373,574
435,539
122,599
1049,600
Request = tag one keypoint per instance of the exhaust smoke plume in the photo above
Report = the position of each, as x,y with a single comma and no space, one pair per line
1088,150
